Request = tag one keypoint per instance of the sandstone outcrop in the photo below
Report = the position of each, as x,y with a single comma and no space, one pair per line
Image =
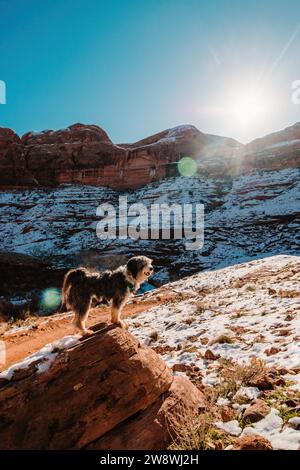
272,152
13,170
152,428
80,154
85,154
104,391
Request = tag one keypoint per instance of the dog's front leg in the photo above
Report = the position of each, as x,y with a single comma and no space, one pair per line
116,310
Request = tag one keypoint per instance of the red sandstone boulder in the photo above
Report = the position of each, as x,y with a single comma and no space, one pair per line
256,411
68,155
154,428
227,414
253,442
75,397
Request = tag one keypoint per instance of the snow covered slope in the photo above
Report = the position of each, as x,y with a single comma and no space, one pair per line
246,217
227,320
256,304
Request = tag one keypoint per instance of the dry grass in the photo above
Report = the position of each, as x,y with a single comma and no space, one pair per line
289,294
192,434
238,283
237,313
180,295
12,323
189,320
233,376
154,335
200,434
223,339
250,287
200,307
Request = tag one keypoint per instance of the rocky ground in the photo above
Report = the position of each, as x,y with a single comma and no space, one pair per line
234,332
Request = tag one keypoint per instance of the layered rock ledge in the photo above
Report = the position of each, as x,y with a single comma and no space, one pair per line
105,391
86,155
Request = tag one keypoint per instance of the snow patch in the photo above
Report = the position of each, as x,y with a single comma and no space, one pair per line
45,356
231,427
270,427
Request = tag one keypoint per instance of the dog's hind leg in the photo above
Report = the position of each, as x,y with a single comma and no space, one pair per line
81,316
116,310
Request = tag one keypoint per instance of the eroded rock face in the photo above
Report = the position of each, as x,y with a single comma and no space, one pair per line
273,152
152,428
79,154
82,154
74,397
85,154
13,171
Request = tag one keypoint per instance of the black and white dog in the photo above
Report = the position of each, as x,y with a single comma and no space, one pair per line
81,286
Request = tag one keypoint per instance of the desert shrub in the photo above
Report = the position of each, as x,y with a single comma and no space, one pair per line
233,376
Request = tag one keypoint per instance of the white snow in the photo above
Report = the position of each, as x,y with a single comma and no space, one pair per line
250,393
231,427
295,422
60,224
295,379
237,299
283,143
223,401
44,357
271,427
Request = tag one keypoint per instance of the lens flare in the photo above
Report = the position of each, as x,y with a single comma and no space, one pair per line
187,166
50,299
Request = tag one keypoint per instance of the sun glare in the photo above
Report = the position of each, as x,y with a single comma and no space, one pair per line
249,107
246,109
243,108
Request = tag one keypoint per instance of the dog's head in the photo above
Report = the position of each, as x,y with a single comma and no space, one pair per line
140,268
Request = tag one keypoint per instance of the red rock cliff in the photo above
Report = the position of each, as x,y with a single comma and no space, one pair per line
85,154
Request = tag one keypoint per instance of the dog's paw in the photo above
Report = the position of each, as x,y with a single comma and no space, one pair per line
86,332
122,324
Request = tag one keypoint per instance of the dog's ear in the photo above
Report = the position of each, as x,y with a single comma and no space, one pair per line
133,267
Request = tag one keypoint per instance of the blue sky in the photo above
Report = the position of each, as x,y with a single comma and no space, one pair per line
137,67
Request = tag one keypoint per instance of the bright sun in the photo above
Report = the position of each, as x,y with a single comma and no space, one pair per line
244,108
248,107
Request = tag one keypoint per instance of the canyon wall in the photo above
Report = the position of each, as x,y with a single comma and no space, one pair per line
86,155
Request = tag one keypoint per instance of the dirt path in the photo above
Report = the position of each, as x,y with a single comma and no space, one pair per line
44,330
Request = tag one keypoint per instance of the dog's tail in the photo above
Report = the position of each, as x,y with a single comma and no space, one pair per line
74,276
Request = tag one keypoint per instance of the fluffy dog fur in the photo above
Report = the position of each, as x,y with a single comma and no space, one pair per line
81,286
